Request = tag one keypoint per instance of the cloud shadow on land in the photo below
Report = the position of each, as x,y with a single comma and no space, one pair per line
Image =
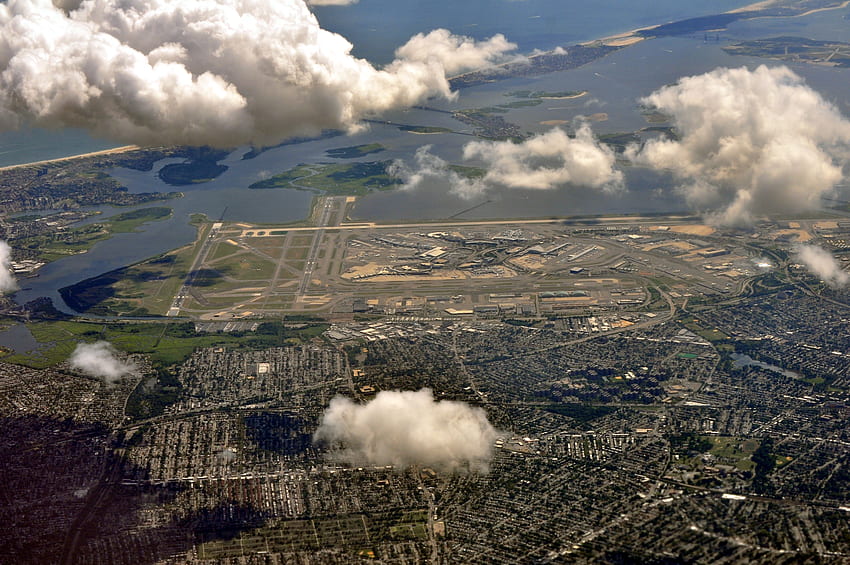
75,498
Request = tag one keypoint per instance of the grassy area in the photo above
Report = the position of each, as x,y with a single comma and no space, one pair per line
146,288
301,241
57,340
424,129
705,332
252,268
130,221
201,167
166,343
469,172
346,179
355,151
656,301
55,245
222,249
521,104
142,289
734,451
296,253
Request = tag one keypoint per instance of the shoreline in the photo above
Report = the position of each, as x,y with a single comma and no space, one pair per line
632,37
624,39
113,151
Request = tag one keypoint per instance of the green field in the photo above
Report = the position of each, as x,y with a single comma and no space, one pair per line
251,268
522,104
51,246
166,343
734,451
424,129
146,288
468,172
705,332
202,166
347,179
222,249
297,253
412,525
355,151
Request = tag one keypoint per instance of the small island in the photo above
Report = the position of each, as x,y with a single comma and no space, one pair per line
349,179
355,151
46,245
488,125
471,173
542,95
424,130
201,166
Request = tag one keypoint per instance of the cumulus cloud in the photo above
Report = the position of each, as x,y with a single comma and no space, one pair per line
216,72
542,162
100,359
405,428
751,142
822,264
7,279
452,52
547,160
427,165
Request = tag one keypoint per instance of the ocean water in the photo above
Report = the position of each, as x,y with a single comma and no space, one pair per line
377,27
29,144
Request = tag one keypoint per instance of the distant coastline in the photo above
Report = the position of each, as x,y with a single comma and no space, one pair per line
565,58
113,151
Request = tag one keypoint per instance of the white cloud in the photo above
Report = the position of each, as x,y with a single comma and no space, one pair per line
547,161
453,53
218,72
427,165
100,359
405,428
751,142
543,162
7,279
822,264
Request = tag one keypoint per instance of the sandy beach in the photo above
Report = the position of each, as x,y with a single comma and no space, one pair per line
754,6
631,37
113,151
